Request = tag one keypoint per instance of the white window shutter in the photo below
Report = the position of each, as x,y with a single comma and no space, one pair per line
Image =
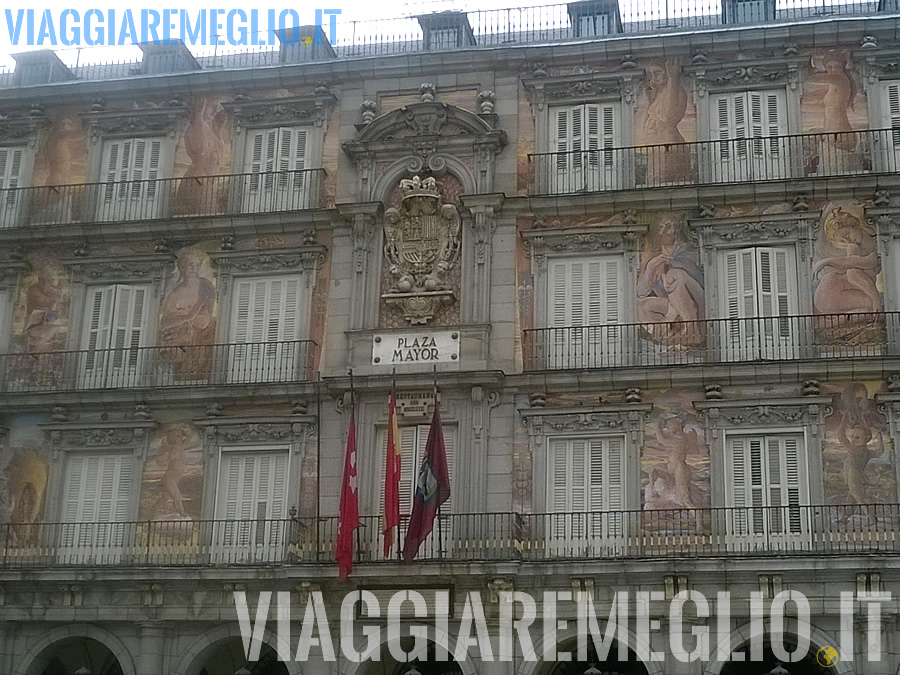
10,168
243,292
99,320
585,291
724,127
561,140
892,110
559,476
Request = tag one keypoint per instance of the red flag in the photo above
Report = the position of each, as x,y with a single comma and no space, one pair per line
349,508
391,515
432,489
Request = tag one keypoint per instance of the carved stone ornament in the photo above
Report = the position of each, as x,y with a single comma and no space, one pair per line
290,111
421,244
774,229
123,434
807,411
141,122
307,259
539,243
628,419
135,268
611,85
295,430
731,75
15,127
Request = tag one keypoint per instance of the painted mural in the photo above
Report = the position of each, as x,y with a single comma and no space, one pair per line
675,457
172,485
24,473
857,452
61,160
187,323
670,286
205,142
663,108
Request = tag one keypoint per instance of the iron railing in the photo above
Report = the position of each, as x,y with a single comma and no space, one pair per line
770,338
875,151
836,529
452,30
162,198
162,366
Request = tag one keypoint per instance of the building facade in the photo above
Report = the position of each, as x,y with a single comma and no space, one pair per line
645,264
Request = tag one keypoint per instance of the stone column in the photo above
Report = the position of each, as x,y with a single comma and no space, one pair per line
483,209
149,660
363,220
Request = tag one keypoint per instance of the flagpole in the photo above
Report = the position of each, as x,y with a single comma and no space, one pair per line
396,441
440,524
318,460
353,422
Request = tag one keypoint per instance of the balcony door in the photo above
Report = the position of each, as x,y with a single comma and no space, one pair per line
10,181
275,163
265,326
131,188
586,496
890,156
412,451
113,352
583,138
760,305
251,506
96,508
584,310
766,492
748,137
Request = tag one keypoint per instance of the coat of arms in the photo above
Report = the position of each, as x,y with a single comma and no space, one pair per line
421,244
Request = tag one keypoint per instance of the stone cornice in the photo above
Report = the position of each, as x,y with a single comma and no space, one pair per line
22,129
629,418
613,85
248,113
741,74
539,243
121,268
135,122
761,413
739,231
294,430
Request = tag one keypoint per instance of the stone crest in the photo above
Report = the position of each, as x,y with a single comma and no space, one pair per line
421,246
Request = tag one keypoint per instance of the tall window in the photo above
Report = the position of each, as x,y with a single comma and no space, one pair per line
95,506
113,342
131,171
583,137
891,116
252,503
748,137
275,160
766,485
11,159
584,309
265,328
586,492
760,303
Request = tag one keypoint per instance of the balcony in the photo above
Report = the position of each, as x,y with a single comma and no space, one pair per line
770,158
713,341
716,532
155,367
167,198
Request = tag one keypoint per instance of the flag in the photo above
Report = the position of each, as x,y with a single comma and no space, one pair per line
349,506
432,489
391,515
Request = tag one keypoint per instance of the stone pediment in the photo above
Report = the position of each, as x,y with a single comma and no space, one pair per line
430,118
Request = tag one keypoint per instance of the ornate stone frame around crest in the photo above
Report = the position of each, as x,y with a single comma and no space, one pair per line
626,420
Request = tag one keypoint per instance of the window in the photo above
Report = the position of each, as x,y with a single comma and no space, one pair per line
891,112
586,493
766,487
252,504
265,329
760,304
412,451
584,308
583,138
275,161
748,137
11,160
113,347
131,171
96,507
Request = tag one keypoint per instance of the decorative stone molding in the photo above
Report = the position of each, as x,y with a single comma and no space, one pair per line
781,69
27,128
113,269
10,271
877,63
72,596
499,585
281,111
611,85
483,223
773,229
145,122
369,110
886,223
629,419
306,259
759,414
607,239
295,430
123,434
152,595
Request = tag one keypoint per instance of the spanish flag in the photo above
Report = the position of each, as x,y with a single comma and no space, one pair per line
391,515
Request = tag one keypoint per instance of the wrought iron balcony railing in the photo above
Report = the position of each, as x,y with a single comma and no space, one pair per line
153,367
771,338
770,158
135,200
713,532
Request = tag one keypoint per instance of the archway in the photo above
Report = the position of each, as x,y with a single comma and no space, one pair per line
429,665
227,657
76,655
593,665
769,663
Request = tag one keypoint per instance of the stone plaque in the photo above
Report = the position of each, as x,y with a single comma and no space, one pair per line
410,348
